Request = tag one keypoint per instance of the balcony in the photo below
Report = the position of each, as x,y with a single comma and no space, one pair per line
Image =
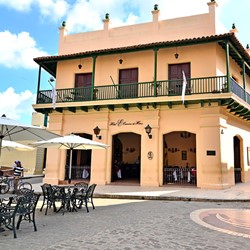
166,88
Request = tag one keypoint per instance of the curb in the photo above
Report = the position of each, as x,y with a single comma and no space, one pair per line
164,198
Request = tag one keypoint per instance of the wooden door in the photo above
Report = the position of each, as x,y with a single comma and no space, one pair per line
83,82
237,163
175,76
128,81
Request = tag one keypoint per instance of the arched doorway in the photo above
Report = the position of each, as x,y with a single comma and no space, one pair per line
81,162
179,158
237,160
126,155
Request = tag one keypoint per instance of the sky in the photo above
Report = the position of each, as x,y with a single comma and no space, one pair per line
29,29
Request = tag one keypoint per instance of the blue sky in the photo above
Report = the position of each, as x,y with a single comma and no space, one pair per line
29,28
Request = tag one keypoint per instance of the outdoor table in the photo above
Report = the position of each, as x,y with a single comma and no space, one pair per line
65,194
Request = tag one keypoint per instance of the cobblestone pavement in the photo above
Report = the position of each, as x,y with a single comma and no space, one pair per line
124,225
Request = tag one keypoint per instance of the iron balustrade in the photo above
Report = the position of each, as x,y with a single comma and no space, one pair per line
216,84
77,172
176,175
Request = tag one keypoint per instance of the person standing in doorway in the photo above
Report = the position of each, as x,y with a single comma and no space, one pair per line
18,173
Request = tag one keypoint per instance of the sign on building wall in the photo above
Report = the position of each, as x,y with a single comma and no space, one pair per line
122,122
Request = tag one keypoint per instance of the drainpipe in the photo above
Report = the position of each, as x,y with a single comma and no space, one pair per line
228,66
38,83
244,78
155,71
93,77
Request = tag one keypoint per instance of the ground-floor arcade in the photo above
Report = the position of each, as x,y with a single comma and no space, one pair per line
205,142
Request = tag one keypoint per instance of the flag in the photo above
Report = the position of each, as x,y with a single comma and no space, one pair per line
54,94
184,85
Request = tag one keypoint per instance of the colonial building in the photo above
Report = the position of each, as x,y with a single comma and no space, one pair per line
170,98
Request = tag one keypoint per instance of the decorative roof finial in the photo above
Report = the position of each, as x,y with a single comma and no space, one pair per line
63,24
156,7
107,16
247,47
233,26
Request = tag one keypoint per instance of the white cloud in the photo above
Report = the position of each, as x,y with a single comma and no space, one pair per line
17,105
20,5
54,9
18,50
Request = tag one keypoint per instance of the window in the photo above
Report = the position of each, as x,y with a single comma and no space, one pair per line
128,81
83,83
175,76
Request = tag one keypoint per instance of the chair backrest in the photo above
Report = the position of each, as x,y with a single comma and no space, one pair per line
44,188
82,186
26,204
90,191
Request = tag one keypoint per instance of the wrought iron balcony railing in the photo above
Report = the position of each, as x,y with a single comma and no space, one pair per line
217,84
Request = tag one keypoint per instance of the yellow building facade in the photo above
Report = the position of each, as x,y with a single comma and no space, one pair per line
128,82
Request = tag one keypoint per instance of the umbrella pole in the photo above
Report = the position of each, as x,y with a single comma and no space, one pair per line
1,141
70,164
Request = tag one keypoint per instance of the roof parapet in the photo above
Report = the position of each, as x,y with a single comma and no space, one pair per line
155,14
106,22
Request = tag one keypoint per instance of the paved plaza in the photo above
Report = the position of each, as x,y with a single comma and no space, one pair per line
136,224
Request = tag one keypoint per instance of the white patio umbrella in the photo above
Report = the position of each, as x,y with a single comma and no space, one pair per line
70,142
12,130
15,145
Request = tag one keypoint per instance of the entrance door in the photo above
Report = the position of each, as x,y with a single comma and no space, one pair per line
175,76
237,163
84,83
126,155
128,81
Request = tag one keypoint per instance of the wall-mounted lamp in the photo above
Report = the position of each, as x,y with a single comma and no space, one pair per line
131,150
185,134
222,131
120,61
176,55
148,130
97,132
80,65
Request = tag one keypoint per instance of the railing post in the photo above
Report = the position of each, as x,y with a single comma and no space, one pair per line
155,71
244,78
93,77
228,66
38,83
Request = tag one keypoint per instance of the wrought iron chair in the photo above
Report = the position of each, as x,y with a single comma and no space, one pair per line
45,194
86,197
25,210
52,195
